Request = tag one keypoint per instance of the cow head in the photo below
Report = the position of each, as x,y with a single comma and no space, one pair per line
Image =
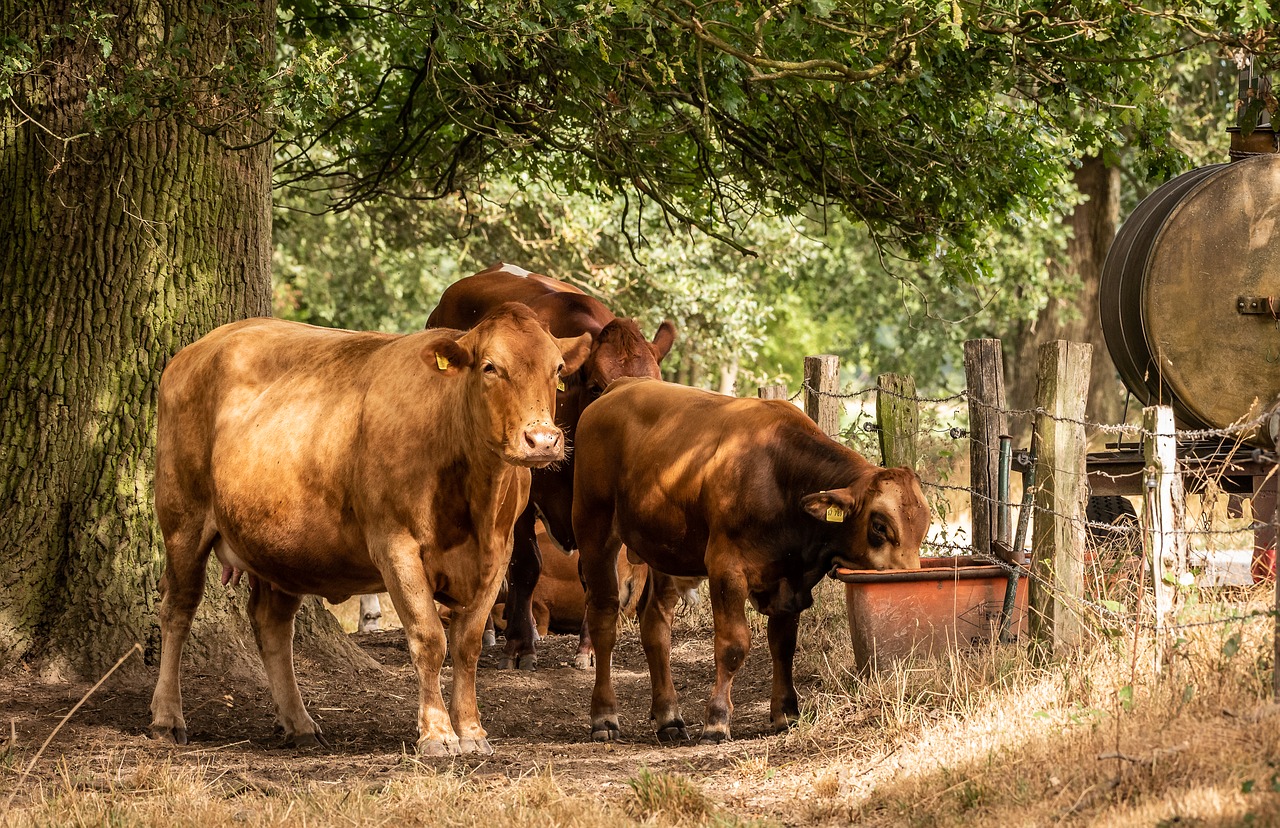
619,350
513,367
880,520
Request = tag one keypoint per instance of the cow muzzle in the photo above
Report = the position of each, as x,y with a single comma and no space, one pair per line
539,445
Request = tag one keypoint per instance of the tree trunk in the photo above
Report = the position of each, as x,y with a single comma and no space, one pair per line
122,242
1075,317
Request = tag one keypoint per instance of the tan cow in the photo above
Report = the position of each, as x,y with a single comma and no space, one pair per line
327,462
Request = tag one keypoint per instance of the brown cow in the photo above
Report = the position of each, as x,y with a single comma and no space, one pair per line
329,462
618,349
749,493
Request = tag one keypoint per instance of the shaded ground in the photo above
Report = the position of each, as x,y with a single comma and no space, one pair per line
534,719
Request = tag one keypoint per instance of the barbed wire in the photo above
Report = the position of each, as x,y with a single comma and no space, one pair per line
1186,435
1110,613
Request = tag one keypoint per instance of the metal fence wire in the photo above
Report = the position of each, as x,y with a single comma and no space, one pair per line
1125,601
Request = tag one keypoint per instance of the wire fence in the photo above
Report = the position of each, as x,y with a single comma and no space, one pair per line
1116,552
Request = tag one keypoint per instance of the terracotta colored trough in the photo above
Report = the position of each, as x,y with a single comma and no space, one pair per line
948,603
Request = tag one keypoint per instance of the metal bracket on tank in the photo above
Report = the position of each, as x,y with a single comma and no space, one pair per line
1258,306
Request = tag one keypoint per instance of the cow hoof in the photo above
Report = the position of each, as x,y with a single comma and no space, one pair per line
713,737
528,661
783,725
436,747
606,732
477,746
584,661
489,639
308,740
673,732
176,735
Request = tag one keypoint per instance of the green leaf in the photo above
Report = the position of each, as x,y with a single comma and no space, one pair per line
1126,698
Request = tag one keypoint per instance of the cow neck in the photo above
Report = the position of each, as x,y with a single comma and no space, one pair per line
809,461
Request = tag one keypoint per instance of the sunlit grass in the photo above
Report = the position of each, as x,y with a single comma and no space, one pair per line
987,736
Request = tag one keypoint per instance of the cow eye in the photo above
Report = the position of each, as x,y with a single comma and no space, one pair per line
595,390
490,368
878,532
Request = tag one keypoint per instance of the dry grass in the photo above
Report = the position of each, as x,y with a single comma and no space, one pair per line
986,737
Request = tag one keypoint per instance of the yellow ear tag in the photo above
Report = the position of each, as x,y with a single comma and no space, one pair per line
559,385
835,514
441,362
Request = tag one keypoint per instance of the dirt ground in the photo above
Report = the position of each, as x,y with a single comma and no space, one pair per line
535,720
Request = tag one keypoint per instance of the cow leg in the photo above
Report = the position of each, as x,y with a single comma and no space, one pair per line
525,569
370,614
181,588
586,656
271,614
784,704
490,637
733,639
414,601
656,614
466,640
600,575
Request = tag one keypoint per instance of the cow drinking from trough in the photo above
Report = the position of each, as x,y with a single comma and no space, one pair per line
618,349
747,493
329,462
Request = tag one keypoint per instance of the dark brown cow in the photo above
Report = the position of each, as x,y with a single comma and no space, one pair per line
749,493
330,462
618,349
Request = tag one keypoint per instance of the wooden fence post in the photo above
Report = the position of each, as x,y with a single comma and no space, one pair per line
1162,514
984,376
898,415
822,379
776,391
1057,564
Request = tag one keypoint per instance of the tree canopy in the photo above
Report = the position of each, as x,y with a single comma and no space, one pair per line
922,120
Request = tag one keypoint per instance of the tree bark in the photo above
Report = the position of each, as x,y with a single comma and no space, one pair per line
1075,317
123,241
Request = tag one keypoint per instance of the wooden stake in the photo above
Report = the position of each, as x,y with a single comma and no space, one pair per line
1057,564
984,374
1162,517
821,379
898,415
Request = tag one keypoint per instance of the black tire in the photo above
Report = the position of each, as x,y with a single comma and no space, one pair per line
1115,511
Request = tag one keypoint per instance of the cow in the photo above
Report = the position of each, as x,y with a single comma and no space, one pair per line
328,462
747,493
618,349
559,602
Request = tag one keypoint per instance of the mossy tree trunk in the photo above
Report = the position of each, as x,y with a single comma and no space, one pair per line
1075,318
125,234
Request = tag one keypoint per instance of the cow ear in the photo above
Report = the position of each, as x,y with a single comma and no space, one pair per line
574,349
447,356
834,506
663,339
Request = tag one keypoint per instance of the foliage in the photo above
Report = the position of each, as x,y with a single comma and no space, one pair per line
922,120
